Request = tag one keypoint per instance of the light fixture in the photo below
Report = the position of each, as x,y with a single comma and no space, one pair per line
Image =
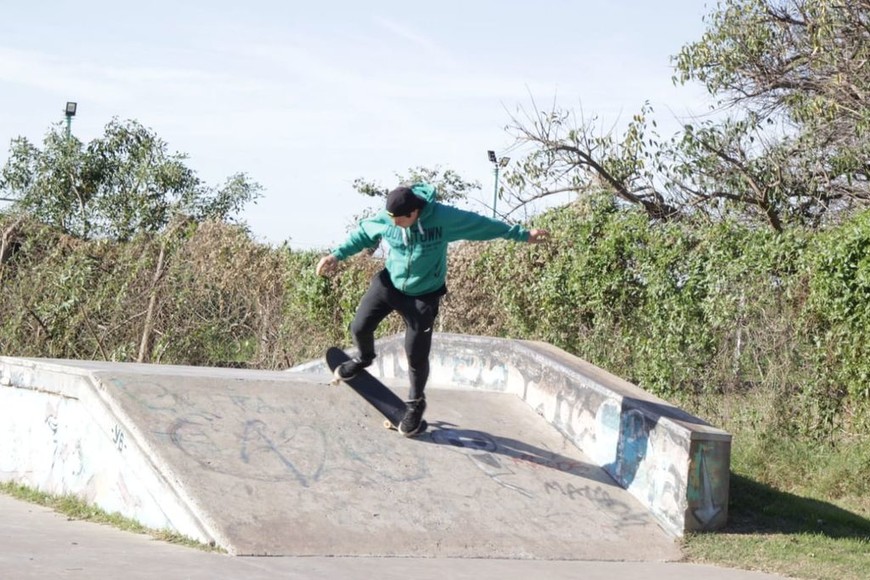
69,112
496,163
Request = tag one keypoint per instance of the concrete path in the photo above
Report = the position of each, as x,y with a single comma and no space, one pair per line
36,543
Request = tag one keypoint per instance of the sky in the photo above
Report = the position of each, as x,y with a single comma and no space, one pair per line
306,97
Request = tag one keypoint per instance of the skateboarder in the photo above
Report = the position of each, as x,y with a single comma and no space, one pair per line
417,230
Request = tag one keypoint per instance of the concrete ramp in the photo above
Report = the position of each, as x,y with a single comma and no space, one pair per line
269,463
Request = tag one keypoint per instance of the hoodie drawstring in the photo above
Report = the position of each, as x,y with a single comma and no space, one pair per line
405,232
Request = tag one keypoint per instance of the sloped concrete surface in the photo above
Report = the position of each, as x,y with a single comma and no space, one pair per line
269,463
295,467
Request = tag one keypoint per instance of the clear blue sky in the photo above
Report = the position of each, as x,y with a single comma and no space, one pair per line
307,96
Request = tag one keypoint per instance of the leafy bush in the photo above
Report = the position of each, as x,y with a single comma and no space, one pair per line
699,313
837,315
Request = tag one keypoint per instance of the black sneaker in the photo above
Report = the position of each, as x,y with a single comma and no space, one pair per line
349,369
412,422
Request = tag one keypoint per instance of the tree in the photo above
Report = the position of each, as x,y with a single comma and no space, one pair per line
807,58
120,184
451,187
801,68
570,155
794,80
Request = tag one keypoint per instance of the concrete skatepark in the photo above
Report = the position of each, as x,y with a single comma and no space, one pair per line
533,458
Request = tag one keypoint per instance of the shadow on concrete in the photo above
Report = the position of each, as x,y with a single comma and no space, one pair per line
483,447
756,508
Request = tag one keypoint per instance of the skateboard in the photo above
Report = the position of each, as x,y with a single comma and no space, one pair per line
373,391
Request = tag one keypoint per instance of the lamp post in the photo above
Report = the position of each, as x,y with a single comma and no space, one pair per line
496,164
70,112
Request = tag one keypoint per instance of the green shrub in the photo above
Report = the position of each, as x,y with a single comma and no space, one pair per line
694,312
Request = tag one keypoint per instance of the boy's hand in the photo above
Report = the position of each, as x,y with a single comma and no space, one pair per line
326,265
538,236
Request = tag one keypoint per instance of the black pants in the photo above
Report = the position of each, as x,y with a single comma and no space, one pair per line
419,313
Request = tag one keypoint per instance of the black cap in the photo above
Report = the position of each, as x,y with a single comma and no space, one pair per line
402,201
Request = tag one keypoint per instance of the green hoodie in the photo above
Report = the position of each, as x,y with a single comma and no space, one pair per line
417,261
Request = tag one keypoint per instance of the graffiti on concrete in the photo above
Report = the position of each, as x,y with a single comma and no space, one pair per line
517,466
624,514
707,508
270,452
118,438
618,434
631,447
707,483
502,458
270,443
600,414
480,449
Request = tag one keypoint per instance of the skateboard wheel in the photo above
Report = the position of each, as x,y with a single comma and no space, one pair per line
387,424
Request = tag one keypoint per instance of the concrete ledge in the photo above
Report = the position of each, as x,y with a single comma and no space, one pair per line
675,464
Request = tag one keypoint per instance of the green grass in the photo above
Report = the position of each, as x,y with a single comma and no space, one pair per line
785,533
797,508
76,509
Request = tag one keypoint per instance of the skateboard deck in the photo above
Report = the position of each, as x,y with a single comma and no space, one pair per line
373,391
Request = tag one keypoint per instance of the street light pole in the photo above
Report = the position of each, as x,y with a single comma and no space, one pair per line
496,163
69,112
